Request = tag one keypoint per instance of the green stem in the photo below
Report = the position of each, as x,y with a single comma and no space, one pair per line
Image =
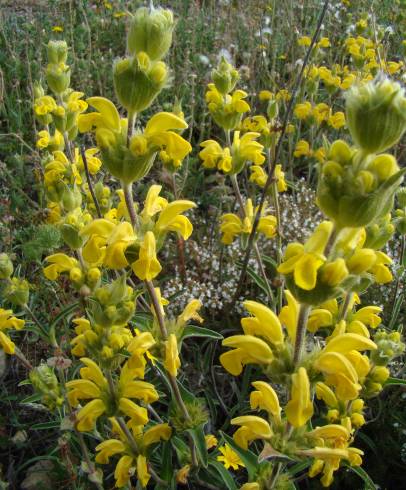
345,306
128,196
172,379
300,333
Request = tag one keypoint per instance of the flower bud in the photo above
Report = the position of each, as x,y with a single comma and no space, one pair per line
6,266
17,291
138,81
225,77
57,52
151,32
71,237
46,383
376,114
58,77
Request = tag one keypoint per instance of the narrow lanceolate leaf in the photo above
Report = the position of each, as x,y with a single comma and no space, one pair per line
197,434
395,381
369,484
225,475
249,459
192,331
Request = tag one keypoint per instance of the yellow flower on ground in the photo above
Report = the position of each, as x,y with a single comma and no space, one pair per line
229,458
8,322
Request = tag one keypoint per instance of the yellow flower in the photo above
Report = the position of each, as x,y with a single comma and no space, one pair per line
232,225
265,95
246,149
171,219
303,110
214,156
59,263
44,105
337,120
304,41
45,140
280,178
302,149
190,313
258,175
247,350
252,428
183,474
94,386
211,441
305,260
147,267
321,112
159,136
8,322
172,361
229,458
323,43
265,398
107,243
289,315
263,323
299,409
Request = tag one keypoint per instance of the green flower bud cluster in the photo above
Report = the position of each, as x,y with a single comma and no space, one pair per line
225,77
46,383
400,212
57,72
356,189
140,77
6,266
113,304
379,233
17,291
376,114
389,345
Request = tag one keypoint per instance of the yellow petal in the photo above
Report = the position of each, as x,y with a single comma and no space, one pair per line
108,111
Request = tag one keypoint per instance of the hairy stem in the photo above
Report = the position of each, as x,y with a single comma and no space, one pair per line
300,333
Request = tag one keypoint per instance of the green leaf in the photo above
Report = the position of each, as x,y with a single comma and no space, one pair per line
53,424
32,398
395,381
193,331
249,459
197,434
299,467
225,475
257,279
369,484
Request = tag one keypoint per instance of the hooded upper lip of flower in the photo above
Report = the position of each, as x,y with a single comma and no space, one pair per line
305,260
